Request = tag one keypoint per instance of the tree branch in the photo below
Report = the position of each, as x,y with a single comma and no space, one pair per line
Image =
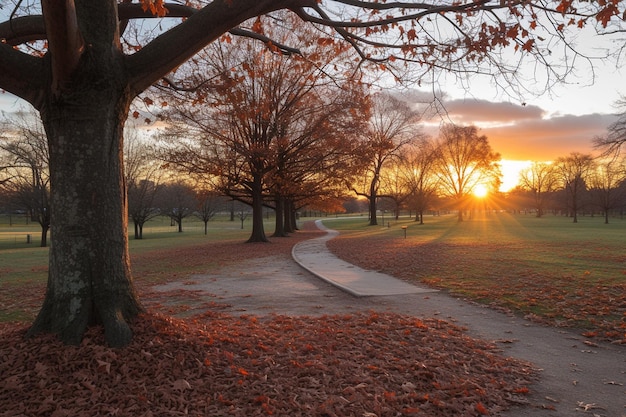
65,42
180,43
21,74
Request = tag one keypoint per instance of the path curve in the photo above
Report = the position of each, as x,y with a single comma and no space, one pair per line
314,256
578,377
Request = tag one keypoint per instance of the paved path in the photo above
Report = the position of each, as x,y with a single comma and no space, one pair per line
314,256
577,378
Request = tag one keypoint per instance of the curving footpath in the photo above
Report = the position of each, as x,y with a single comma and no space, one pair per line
578,377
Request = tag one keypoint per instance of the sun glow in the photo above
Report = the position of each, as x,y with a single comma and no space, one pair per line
480,191
511,172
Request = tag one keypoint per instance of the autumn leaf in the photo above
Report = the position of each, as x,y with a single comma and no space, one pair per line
480,408
528,46
605,15
181,385
104,366
564,6
156,7
258,25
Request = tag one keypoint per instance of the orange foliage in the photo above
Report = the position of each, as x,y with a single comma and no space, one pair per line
156,7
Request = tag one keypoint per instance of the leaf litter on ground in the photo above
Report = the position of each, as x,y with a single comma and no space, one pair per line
213,363
367,363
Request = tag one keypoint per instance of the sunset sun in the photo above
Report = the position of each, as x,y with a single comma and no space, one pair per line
480,191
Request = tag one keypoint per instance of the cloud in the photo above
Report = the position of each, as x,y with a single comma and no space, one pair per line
477,111
550,138
525,132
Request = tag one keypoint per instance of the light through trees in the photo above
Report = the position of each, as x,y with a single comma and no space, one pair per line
480,191
464,161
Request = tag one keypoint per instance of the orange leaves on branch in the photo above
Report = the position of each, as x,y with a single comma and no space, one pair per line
258,26
564,6
513,31
156,7
605,15
325,41
411,34
528,46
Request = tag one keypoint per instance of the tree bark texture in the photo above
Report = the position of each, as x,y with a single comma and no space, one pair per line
258,231
83,88
89,270
279,229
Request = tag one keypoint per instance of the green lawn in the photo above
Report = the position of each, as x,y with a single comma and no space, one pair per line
547,268
24,266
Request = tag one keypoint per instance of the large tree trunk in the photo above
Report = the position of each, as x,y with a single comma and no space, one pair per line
372,210
258,231
290,217
279,229
44,235
89,279
372,200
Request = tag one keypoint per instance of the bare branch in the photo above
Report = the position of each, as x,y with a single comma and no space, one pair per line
64,39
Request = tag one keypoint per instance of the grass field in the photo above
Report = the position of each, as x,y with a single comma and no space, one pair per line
549,268
24,266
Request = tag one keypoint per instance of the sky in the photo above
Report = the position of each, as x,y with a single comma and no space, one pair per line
544,131
532,133
544,127
539,128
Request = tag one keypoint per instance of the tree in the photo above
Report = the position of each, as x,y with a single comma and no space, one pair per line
605,182
315,159
541,181
273,119
464,160
90,81
394,186
612,142
26,151
389,132
143,176
573,172
177,201
208,203
419,174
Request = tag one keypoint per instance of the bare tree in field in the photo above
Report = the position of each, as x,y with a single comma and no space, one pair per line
177,201
69,59
541,180
615,138
26,161
573,172
143,176
464,160
208,204
605,184
420,175
391,129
